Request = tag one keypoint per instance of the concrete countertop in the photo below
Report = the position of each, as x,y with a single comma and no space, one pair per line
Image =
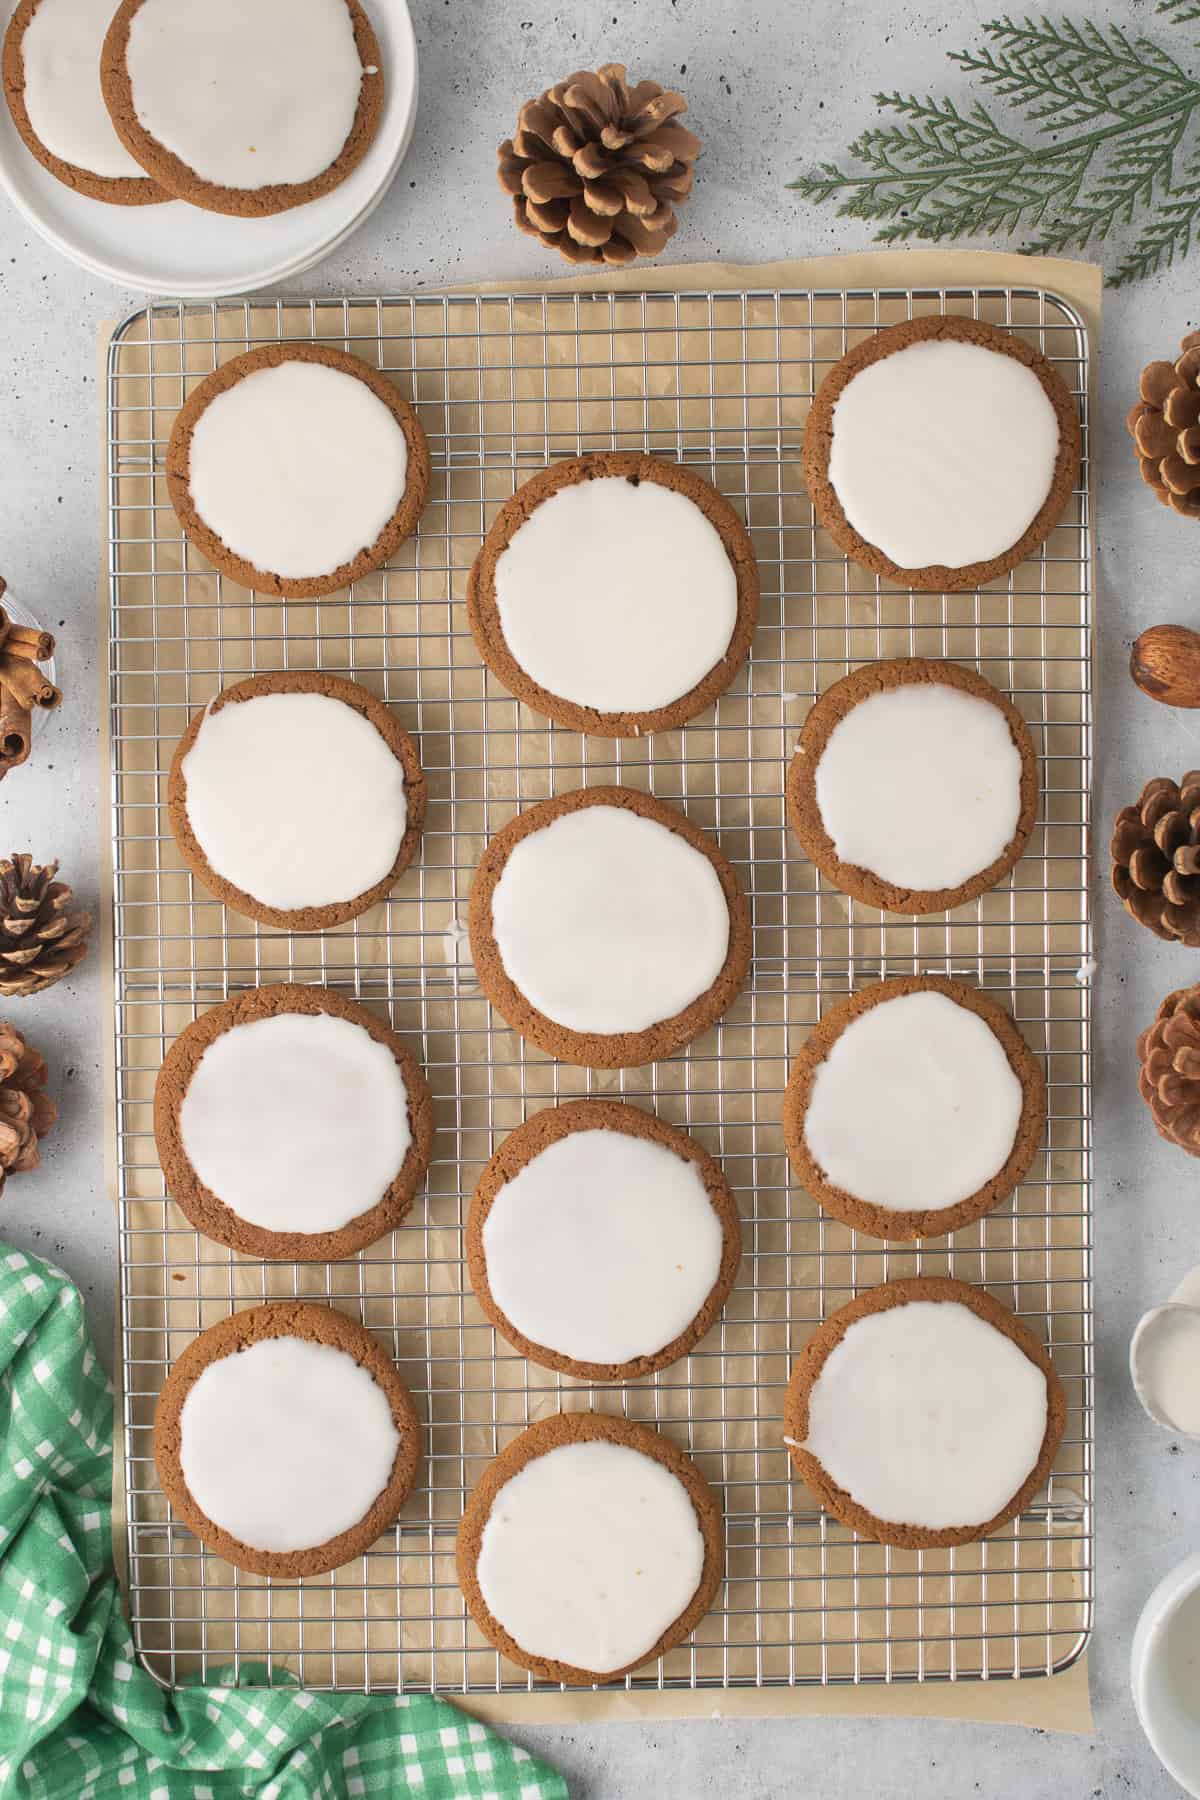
773,88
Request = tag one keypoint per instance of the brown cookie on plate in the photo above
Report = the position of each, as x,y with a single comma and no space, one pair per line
914,1108
941,452
924,1413
296,469
285,1438
292,1123
590,1546
914,786
50,65
601,1241
607,928
617,593
248,132
297,798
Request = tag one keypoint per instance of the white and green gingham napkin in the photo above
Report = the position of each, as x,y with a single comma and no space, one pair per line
80,1719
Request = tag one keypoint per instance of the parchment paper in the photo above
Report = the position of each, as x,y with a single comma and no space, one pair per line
804,1599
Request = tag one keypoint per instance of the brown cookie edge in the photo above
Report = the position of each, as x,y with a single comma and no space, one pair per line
818,439
550,1126
183,183
804,814
402,746
633,465
828,1335
321,1324
574,1428
117,190
205,1210
400,526
865,1215
605,1050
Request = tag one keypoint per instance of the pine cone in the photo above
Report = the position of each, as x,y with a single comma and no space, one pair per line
597,167
1169,1079
40,939
1165,428
1156,858
26,1110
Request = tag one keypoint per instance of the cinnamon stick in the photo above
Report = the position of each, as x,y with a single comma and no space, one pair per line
5,621
25,642
15,730
25,681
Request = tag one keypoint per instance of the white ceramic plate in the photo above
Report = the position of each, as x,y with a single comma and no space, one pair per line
181,250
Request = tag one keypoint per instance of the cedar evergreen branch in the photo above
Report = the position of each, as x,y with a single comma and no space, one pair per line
1114,112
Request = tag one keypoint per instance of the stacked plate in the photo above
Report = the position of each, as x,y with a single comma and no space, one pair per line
179,250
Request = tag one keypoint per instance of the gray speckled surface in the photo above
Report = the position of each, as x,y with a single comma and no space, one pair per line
772,87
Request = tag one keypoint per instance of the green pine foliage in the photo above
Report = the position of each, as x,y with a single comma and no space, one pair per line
1113,161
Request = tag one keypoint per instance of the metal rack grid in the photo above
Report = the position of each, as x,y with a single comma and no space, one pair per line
505,383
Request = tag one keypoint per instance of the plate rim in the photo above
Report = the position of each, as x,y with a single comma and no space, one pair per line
218,287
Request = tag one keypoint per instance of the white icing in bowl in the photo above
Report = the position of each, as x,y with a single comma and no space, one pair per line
943,453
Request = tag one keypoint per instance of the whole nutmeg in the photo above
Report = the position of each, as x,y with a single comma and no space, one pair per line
1165,664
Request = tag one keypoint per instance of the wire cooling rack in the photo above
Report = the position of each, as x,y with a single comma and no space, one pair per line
505,383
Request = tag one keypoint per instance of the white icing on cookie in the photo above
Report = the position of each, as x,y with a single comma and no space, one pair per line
297,1121
287,1443
604,1247
921,784
60,55
271,86
926,1415
943,452
616,595
589,1553
915,1107
296,799
297,468
609,922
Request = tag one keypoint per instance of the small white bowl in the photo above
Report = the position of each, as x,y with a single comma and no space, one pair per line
1150,1329
1165,1673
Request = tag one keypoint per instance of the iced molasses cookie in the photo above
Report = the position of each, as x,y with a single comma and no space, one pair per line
50,63
914,785
607,928
292,1123
915,1107
296,469
924,1413
591,1546
286,1439
243,106
616,593
297,798
601,1241
941,452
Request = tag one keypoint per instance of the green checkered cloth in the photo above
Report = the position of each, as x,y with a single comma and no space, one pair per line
79,1718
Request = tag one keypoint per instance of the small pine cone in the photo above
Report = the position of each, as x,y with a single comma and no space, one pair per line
1169,1079
26,1110
1156,858
41,940
597,166
1165,428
